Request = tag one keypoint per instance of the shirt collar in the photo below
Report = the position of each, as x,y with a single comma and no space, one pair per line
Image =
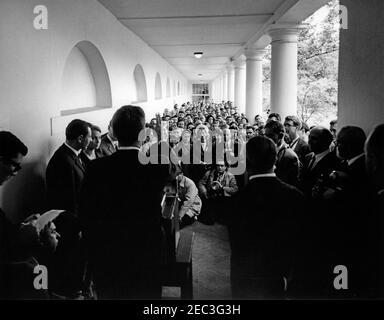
321,155
282,147
90,157
294,142
114,142
129,148
351,161
381,192
76,152
262,175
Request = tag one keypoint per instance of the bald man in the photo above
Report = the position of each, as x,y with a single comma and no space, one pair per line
320,162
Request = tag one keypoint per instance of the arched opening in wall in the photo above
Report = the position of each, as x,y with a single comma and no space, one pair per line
141,84
158,89
168,88
85,84
178,88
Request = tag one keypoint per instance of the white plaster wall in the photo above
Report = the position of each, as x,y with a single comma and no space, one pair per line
361,65
31,69
78,85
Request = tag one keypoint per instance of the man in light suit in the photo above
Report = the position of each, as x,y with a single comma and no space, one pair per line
292,126
263,236
123,236
108,144
287,163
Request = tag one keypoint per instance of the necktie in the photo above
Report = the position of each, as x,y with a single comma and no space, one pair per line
312,162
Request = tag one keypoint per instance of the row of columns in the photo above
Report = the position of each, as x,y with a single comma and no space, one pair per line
242,80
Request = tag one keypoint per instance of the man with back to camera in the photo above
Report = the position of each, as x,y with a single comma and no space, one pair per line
262,237
124,236
374,159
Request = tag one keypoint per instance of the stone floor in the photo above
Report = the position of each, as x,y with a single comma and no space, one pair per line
210,258
211,262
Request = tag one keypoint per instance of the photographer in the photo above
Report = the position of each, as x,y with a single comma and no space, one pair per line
214,188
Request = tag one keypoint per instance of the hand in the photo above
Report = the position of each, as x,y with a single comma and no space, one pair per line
329,193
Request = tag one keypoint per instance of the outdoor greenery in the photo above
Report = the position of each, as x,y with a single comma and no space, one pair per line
317,67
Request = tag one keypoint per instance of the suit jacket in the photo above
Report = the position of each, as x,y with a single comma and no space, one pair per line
64,175
287,166
262,234
106,147
301,149
310,176
86,161
121,215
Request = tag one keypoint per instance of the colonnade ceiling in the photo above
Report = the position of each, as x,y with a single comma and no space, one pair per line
221,29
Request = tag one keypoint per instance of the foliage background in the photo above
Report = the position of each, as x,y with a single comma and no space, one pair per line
318,54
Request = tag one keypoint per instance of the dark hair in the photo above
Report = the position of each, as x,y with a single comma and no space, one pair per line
296,121
276,126
76,128
276,115
376,142
333,122
304,127
11,146
326,136
354,138
261,154
127,122
95,128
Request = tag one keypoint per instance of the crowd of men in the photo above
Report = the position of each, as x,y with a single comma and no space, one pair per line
308,202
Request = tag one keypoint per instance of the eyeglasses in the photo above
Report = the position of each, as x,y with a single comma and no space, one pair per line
16,166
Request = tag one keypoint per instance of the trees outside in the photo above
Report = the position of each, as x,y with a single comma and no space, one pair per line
318,50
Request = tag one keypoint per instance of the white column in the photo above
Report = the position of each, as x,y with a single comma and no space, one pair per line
254,83
231,82
221,88
225,87
284,70
239,99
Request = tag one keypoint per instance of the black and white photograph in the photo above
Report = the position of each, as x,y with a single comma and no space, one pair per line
191,155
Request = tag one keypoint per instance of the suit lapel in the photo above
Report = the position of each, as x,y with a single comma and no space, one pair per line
79,163
75,158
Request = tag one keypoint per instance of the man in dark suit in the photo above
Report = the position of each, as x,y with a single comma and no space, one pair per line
124,235
108,144
292,126
16,268
374,155
65,171
319,163
263,234
346,194
12,152
64,177
287,163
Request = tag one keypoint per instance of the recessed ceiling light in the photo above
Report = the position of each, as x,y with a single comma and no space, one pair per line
198,55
